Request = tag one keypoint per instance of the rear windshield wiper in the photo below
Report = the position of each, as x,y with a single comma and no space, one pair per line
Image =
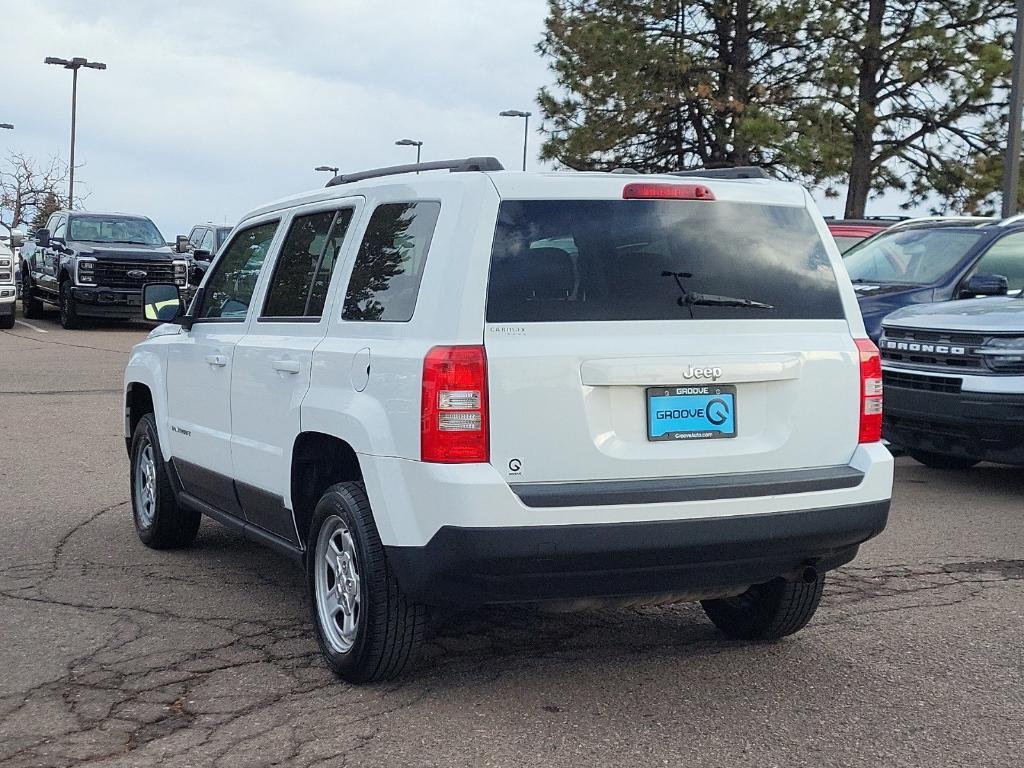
689,299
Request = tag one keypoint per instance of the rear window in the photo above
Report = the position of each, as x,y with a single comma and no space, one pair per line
578,260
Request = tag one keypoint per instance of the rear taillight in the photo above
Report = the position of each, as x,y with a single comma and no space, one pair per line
645,190
870,392
453,428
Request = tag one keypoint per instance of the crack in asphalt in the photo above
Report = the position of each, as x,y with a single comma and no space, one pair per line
38,340
195,688
60,391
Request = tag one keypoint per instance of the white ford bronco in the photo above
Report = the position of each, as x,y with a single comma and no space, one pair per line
481,387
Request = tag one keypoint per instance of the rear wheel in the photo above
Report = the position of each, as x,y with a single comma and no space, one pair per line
367,628
942,460
159,521
31,307
766,611
68,312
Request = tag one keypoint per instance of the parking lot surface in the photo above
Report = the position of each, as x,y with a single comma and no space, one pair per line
115,655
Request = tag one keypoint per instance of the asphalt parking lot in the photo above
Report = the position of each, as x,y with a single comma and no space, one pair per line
115,655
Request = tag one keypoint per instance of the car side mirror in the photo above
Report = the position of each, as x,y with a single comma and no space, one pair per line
181,244
43,238
17,238
986,285
161,303
200,254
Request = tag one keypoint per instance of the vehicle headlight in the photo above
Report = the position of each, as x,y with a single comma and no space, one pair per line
85,272
1004,354
181,272
5,263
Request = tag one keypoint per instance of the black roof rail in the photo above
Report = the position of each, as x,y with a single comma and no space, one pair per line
740,172
462,165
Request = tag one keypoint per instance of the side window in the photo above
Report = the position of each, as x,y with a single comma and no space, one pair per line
195,237
386,275
61,228
207,243
51,223
303,269
229,289
1006,258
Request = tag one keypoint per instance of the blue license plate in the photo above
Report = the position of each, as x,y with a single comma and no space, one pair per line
691,413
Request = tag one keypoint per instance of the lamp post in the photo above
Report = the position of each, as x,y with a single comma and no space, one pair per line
329,168
526,127
411,143
74,65
1011,170
8,126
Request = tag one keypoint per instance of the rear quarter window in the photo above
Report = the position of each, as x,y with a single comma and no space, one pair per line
587,260
385,280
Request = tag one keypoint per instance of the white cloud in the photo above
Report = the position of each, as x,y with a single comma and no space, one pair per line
208,110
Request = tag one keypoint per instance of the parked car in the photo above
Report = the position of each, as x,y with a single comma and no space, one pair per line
848,232
8,291
954,381
485,387
202,244
93,265
938,259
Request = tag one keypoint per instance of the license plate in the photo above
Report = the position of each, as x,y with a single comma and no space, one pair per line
691,413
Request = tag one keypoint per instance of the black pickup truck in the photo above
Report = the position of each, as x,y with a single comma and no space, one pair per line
93,265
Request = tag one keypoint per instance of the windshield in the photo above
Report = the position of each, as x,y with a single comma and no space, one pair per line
912,257
578,260
114,229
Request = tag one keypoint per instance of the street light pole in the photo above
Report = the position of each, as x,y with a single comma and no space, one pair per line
74,65
330,168
8,126
526,126
1011,169
411,143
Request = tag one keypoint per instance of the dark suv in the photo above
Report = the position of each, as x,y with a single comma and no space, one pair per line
921,261
203,243
93,265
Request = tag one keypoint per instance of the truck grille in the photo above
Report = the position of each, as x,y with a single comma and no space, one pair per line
932,349
114,274
905,380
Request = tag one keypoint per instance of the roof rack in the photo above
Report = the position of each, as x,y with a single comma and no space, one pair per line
739,172
967,221
462,165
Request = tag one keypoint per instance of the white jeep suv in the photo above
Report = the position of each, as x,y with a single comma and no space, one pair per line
483,387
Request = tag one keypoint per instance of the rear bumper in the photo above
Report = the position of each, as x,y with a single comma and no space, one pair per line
978,425
116,303
693,558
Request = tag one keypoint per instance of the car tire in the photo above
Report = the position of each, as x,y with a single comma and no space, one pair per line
367,628
7,321
768,611
941,460
160,522
69,319
31,307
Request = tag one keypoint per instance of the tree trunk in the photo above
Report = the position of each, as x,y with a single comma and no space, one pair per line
862,157
740,82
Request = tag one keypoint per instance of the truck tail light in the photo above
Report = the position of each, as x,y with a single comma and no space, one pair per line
870,392
645,190
454,423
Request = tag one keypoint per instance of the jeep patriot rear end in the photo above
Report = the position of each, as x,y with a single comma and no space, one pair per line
485,387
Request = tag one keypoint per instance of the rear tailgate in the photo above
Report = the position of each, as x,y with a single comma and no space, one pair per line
657,338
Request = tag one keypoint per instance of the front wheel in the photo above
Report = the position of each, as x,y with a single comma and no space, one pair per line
159,521
366,627
7,321
68,311
942,460
766,611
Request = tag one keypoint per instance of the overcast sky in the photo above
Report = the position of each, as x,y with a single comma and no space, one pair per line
208,109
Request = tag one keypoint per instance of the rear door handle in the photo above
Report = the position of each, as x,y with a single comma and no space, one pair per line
217,360
286,366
